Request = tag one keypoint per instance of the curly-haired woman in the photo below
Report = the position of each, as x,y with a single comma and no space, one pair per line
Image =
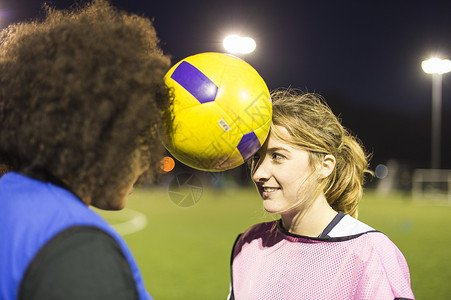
81,107
310,171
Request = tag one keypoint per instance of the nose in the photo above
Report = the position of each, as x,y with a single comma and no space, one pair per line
261,170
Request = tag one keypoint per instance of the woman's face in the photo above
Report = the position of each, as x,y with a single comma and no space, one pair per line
283,176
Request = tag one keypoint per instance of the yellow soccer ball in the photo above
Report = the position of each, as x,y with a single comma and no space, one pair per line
221,111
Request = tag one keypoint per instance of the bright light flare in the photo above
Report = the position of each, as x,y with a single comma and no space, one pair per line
239,45
436,66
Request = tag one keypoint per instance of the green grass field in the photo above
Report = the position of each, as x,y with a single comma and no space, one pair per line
184,252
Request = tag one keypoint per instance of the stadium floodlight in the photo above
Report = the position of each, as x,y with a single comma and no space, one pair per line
436,67
239,45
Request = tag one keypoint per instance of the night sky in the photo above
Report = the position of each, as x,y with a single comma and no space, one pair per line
364,57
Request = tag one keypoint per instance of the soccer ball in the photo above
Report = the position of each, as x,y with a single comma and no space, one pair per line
221,111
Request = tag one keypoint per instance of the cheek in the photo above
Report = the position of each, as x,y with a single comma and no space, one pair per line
309,189
123,195
293,191
299,182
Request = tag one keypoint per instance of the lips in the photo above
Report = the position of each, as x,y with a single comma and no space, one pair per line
268,191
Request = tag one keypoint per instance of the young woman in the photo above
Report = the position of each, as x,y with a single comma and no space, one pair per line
310,171
81,102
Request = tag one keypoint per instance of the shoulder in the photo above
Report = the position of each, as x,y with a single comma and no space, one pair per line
385,265
373,244
379,252
384,247
260,231
68,265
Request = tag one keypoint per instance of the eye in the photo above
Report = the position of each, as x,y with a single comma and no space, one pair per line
277,156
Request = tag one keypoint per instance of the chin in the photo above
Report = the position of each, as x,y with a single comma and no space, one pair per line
270,207
112,205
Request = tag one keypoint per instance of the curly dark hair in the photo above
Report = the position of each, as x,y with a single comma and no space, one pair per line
81,93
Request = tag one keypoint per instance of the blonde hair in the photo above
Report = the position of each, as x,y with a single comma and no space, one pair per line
313,127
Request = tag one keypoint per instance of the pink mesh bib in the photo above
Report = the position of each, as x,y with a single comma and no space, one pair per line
269,264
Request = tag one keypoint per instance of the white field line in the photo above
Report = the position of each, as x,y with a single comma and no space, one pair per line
135,221
126,221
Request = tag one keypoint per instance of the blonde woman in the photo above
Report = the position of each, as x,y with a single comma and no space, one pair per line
310,171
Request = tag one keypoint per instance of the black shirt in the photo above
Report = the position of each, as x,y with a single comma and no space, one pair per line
79,263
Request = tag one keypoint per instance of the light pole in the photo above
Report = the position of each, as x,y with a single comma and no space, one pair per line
436,67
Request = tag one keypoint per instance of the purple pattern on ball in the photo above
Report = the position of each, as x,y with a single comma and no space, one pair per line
195,82
248,145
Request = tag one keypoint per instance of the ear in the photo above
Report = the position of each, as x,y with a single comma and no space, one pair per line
327,166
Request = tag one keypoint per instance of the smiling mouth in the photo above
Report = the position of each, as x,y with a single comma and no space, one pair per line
268,191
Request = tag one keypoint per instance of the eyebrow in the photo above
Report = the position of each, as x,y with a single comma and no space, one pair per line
273,149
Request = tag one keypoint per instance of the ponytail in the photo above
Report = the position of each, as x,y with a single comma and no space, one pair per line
344,187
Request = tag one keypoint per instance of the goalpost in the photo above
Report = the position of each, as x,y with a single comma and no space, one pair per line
431,182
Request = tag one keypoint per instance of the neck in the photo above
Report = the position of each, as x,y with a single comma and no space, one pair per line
309,221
